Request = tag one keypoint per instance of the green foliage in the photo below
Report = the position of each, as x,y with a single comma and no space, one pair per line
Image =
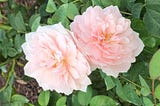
17,22
34,22
145,90
43,98
149,41
54,96
72,11
85,97
18,40
64,1
3,0
106,3
51,7
157,92
8,47
61,101
151,17
19,99
133,88
147,102
108,80
5,95
101,100
154,67
75,101
64,13
136,10
127,93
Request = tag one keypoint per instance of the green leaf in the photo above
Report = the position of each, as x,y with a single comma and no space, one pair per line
129,90
5,94
61,13
61,101
158,104
147,102
12,52
17,22
4,46
108,80
29,104
19,98
3,0
106,3
75,100
85,97
53,98
97,2
18,40
139,26
139,68
12,4
51,7
72,11
127,4
127,93
149,41
64,1
43,98
145,90
154,67
85,6
151,17
42,10
120,91
101,100
136,10
157,92
2,35
34,22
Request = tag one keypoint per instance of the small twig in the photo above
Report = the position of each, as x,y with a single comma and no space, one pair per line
75,1
123,12
153,94
5,27
131,82
148,51
10,73
11,59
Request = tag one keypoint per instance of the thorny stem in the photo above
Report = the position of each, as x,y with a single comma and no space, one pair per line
131,82
10,73
153,94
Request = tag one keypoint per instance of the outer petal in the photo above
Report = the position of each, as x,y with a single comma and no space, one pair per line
105,37
54,60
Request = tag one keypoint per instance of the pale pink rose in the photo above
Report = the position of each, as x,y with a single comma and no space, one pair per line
105,37
54,61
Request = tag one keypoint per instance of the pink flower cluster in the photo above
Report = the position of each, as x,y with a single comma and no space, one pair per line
60,60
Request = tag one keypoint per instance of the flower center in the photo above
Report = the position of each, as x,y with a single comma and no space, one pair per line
57,58
107,37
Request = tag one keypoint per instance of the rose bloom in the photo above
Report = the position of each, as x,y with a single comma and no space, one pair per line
54,61
105,37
